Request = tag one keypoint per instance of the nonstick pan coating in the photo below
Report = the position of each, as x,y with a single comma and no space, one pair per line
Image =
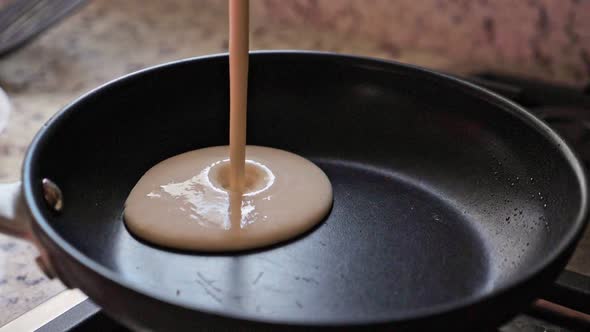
451,205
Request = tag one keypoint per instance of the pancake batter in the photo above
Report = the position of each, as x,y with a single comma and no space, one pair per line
184,202
229,198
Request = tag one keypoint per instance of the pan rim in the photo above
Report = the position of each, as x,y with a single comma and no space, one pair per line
575,229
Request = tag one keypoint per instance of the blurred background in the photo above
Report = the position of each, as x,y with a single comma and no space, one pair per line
96,41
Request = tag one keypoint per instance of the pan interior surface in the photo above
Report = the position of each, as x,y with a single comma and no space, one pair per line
441,193
386,244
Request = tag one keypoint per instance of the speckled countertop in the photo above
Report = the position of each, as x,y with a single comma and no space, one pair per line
107,39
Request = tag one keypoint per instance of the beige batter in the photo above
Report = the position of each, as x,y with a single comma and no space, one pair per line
238,88
229,198
183,202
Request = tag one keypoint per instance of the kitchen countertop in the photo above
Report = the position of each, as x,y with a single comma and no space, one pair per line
107,39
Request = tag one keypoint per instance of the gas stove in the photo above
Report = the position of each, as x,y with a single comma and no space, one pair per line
563,307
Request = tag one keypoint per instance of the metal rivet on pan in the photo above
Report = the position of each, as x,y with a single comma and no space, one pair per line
52,195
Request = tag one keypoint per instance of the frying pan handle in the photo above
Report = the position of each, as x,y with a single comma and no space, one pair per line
13,216
15,221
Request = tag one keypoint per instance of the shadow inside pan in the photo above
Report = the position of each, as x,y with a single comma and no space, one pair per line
386,244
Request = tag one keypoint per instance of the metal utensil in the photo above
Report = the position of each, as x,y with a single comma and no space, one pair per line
25,19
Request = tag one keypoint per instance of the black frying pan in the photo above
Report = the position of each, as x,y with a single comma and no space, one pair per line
452,207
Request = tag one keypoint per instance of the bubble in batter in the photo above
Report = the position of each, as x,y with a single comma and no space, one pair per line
184,202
